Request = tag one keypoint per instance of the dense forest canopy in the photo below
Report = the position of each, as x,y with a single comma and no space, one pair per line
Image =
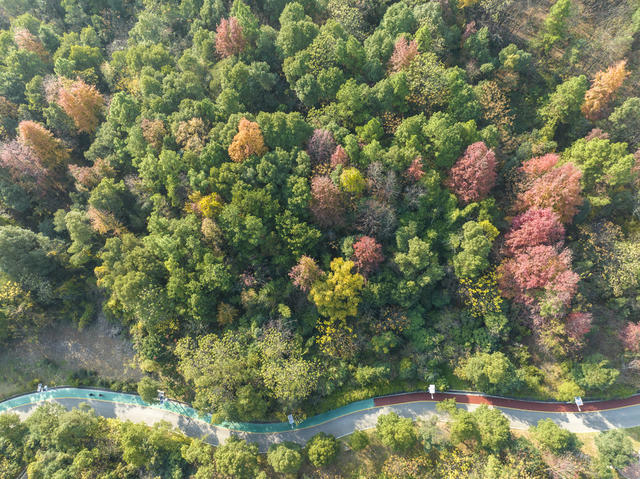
289,205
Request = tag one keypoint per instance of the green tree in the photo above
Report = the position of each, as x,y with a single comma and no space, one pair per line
595,374
476,242
322,449
396,432
615,448
285,458
555,25
29,259
493,428
563,105
297,30
624,122
358,440
223,374
237,458
418,264
554,438
338,296
607,169
488,372
148,389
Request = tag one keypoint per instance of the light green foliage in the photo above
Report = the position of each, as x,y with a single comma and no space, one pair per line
555,25
351,181
430,434
563,106
419,266
297,30
488,372
396,432
615,448
337,297
554,438
606,168
322,449
236,458
493,428
476,242
512,58
285,458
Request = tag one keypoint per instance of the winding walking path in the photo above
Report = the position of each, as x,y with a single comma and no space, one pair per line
595,416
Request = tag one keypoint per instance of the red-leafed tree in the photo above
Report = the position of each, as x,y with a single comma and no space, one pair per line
23,165
321,146
577,325
368,254
404,52
630,337
539,165
532,228
83,103
538,271
305,273
229,38
415,170
605,85
88,177
339,157
474,174
558,189
49,149
327,205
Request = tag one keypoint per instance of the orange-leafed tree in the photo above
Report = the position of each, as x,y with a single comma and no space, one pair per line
49,149
153,132
229,37
248,141
605,85
83,103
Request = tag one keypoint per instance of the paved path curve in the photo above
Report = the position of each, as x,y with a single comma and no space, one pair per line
595,416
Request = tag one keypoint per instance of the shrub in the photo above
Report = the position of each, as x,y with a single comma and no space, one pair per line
358,440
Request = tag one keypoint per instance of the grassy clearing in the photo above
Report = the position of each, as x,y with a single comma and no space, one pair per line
63,355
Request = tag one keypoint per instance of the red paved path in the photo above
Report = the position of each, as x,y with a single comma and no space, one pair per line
510,403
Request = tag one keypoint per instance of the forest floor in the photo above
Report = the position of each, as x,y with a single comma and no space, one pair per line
61,351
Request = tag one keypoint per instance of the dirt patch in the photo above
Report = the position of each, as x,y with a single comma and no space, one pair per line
62,350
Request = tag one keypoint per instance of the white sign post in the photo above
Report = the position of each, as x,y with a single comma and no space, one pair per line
291,421
579,402
432,390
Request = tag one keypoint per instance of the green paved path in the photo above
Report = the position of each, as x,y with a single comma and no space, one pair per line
339,422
